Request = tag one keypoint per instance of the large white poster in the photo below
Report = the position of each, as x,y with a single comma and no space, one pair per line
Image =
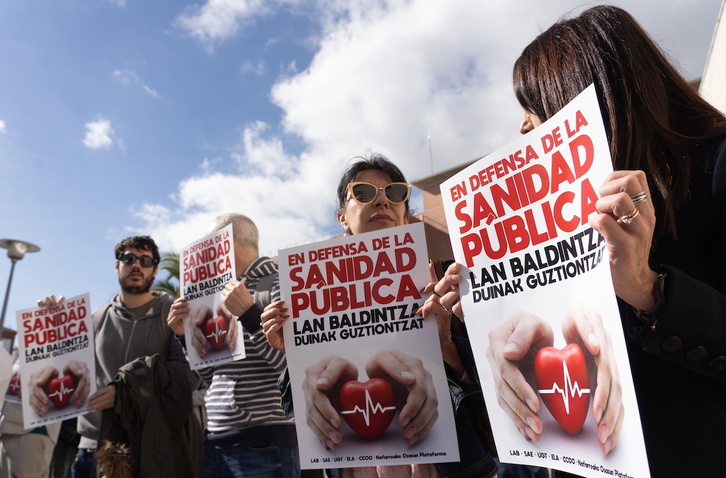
57,361
536,271
212,335
352,302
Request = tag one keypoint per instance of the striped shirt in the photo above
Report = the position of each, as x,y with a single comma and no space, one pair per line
244,393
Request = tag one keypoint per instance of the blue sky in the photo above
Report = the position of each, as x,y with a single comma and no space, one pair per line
123,117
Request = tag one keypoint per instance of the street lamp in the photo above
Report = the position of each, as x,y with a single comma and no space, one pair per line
16,251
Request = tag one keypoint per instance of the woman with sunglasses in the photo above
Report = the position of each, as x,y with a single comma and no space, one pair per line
373,195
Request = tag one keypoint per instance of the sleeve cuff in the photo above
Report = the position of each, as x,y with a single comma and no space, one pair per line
250,320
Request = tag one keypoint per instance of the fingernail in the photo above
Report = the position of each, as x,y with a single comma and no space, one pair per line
532,406
323,381
592,338
530,434
604,434
607,446
410,432
532,424
598,414
510,347
407,374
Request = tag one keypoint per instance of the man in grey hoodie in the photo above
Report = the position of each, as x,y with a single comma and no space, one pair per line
131,326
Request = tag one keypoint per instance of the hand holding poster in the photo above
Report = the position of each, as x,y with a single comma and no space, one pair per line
57,361
351,332
213,335
539,301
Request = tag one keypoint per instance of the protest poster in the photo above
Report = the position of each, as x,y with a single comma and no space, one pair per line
518,224
351,301
213,336
11,386
57,357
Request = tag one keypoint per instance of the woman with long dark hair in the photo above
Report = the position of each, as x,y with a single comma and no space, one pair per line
662,214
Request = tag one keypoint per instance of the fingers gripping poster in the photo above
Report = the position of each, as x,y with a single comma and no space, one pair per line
213,335
57,364
538,299
360,360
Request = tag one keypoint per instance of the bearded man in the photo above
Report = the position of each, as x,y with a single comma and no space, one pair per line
132,326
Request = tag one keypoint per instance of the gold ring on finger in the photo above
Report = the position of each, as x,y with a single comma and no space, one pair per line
628,218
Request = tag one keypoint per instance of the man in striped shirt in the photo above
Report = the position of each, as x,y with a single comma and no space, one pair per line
247,431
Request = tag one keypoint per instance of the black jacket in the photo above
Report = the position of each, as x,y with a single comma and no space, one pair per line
678,356
154,417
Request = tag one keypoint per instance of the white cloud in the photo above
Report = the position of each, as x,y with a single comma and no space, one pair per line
3,128
390,78
256,68
273,204
130,77
100,135
126,77
266,156
150,91
218,20
385,77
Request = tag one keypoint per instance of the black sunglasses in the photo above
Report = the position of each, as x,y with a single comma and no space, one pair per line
130,259
365,193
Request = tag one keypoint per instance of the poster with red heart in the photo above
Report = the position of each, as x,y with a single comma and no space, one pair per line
352,303
57,364
539,302
213,335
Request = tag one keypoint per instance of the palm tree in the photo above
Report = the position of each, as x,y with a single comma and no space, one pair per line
169,265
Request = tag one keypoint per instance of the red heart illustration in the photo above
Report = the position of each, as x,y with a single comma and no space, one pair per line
563,385
215,330
14,387
60,390
368,407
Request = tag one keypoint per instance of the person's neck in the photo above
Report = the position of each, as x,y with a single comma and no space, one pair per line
131,301
243,258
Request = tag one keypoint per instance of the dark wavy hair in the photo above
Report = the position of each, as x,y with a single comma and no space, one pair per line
654,119
365,163
144,243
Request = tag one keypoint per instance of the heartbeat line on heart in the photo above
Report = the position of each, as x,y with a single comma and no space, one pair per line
61,391
571,389
217,332
370,408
